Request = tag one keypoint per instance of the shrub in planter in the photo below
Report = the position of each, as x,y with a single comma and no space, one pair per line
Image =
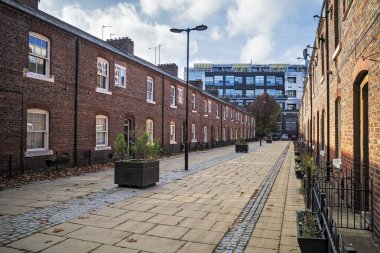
299,171
241,145
310,235
143,171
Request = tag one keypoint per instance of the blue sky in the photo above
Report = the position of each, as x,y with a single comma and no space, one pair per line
239,31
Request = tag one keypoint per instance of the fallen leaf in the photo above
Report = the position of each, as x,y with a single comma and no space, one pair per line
57,230
268,208
48,241
67,190
131,240
83,217
44,221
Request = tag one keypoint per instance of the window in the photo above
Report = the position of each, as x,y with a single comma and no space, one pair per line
217,133
172,96
292,93
238,80
224,133
231,114
217,110
149,130
204,134
205,109
172,133
37,130
39,54
259,92
291,106
209,80
259,80
250,93
346,5
230,92
120,76
193,102
193,136
209,107
103,80
226,112
292,79
180,96
271,80
101,131
149,89
218,80
249,80
229,80
279,80
338,128
220,92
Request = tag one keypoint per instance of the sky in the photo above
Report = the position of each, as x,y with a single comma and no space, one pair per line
239,31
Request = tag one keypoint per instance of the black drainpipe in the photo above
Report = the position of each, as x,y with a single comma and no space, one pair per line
311,114
328,162
163,110
76,101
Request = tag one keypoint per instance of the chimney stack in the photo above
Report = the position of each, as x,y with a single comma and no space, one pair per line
125,44
171,68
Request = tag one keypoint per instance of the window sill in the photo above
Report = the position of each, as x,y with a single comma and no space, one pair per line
194,111
32,153
38,76
194,141
100,148
150,102
337,51
205,115
173,106
103,91
173,142
124,87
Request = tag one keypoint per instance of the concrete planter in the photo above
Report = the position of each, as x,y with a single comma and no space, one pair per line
133,173
241,148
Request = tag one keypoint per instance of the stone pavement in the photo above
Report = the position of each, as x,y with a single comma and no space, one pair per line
191,214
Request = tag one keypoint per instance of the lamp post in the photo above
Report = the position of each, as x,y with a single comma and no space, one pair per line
187,30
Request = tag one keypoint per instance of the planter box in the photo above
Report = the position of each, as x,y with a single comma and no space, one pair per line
310,245
300,174
241,148
141,174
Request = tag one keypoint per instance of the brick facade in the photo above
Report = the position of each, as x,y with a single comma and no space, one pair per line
69,93
354,87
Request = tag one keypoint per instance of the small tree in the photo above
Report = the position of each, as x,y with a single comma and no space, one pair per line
142,149
120,146
266,111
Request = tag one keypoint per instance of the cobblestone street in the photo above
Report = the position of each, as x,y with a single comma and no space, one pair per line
227,202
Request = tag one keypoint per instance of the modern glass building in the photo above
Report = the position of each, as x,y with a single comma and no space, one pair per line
241,83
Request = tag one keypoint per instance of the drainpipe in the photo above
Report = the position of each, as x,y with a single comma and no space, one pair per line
76,101
328,162
163,110
311,114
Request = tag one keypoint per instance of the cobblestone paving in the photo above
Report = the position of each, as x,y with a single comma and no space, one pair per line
238,236
15,227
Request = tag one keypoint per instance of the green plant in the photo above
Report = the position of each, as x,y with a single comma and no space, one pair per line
307,161
142,149
297,159
298,168
308,225
241,140
120,146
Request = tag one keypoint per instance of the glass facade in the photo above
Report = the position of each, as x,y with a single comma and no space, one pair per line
271,81
238,80
218,80
259,92
229,80
209,80
259,80
250,93
279,80
249,80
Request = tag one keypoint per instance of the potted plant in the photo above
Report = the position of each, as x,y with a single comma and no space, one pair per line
310,235
143,171
241,145
299,171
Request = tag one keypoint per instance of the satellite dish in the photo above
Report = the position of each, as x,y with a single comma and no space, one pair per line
305,54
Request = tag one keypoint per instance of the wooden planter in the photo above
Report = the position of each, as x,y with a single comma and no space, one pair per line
300,174
241,148
141,174
310,245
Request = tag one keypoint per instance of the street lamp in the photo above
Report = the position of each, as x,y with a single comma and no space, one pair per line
187,30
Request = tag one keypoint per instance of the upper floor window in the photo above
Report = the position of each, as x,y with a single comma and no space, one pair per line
209,80
149,130
238,80
172,96
292,93
271,80
218,80
37,125
292,79
229,80
172,133
205,107
39,54
291,106
193,102
103,75
249,80
149,89
101,131
209,107
279,80
259,80
217,110
180,96
120,76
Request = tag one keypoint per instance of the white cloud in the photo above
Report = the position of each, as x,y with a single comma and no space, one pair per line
257,49
290,55
216,33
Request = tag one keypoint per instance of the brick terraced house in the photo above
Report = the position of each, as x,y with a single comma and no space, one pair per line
340,112
64,90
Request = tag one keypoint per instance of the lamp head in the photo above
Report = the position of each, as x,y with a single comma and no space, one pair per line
200,27
176,30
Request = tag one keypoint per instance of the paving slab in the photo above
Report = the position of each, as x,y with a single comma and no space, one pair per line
99,235
36,242
72,245
151,243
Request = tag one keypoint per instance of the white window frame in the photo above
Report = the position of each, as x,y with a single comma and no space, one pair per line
209,107
150,94
172,96
172,133
224,133
193,105
193,133
35,75
103,68
150,130
217,111
180,96
46,131
105,145
205,109
205,134
118,77
217,133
